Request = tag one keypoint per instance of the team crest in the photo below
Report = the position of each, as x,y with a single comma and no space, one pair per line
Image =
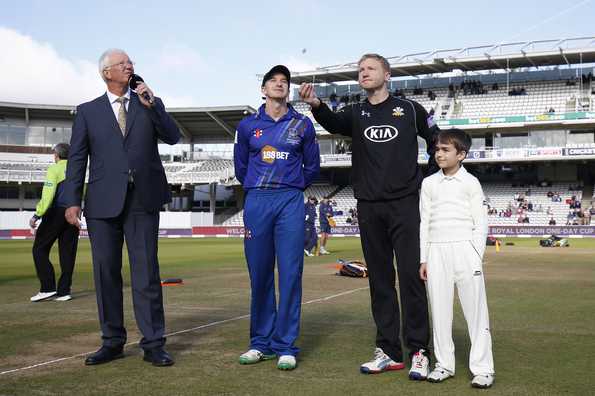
257,133
293,136
398,111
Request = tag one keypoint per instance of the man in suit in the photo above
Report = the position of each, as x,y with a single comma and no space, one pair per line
118,132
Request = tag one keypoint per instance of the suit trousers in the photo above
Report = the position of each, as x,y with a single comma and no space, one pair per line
55,227
390,229
140,230
450,264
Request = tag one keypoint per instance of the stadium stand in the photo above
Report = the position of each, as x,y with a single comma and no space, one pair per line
540,97
538,114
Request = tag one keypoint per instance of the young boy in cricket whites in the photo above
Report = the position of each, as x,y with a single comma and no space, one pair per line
453,232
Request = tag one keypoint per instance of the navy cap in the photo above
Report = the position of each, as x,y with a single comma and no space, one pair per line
279,69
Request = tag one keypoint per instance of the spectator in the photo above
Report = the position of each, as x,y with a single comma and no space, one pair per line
552,221
334,102
570,217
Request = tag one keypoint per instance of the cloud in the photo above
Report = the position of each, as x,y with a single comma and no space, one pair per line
180,57
297,64
33,72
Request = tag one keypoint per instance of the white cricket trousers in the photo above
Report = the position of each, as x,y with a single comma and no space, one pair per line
450,264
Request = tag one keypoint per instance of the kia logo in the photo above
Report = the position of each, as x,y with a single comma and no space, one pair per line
381,133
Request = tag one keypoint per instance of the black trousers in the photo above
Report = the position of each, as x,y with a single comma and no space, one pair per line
389,229
140,230
55,227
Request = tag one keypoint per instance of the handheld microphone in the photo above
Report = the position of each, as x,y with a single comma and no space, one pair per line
133,83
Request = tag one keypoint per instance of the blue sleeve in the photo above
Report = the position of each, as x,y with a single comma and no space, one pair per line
311,154
76,167
241,150
166,127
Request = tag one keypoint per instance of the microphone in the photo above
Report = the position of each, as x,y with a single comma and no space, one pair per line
133,83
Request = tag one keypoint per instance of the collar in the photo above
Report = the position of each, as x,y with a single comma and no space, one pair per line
460,175
112,98
262,114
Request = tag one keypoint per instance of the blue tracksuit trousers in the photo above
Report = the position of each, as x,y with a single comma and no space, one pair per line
311,236
274,222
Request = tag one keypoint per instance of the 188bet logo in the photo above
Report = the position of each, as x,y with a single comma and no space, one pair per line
269,154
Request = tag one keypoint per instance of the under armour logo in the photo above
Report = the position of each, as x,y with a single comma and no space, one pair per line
364,113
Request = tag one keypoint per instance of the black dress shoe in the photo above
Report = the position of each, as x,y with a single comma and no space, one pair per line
104,355
158,357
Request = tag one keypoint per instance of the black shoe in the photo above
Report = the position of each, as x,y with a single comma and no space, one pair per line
104,355
158,357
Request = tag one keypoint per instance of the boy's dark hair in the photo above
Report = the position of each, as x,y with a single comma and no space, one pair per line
457,137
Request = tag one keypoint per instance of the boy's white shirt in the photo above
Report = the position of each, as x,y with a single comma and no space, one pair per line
452,208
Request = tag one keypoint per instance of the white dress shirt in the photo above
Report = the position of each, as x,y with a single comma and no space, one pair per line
116,105
452,208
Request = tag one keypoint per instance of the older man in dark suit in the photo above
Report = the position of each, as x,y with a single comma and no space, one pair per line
118,132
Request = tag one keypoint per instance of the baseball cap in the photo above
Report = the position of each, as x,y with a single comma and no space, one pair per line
279,69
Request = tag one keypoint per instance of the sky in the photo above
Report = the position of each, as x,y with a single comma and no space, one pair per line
197,53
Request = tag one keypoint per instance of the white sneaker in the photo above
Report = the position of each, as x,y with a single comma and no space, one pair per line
324,251
66,297
307,253
419,366
482,381
254,356
439,374
42,296
382,362
286,362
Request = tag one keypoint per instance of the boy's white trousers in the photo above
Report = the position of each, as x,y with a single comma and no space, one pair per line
450,264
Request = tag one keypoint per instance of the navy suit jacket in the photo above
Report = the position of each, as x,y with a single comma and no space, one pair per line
96,136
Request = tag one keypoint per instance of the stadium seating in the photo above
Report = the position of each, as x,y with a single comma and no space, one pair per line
498,195
540,97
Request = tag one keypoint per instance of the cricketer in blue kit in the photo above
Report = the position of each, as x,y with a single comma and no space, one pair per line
276,156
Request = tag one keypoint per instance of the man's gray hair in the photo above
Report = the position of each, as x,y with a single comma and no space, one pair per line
61,150
104,59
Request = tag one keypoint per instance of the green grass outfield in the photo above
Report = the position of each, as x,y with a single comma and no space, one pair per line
541,307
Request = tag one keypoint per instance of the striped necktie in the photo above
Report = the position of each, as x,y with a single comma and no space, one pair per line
122,113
